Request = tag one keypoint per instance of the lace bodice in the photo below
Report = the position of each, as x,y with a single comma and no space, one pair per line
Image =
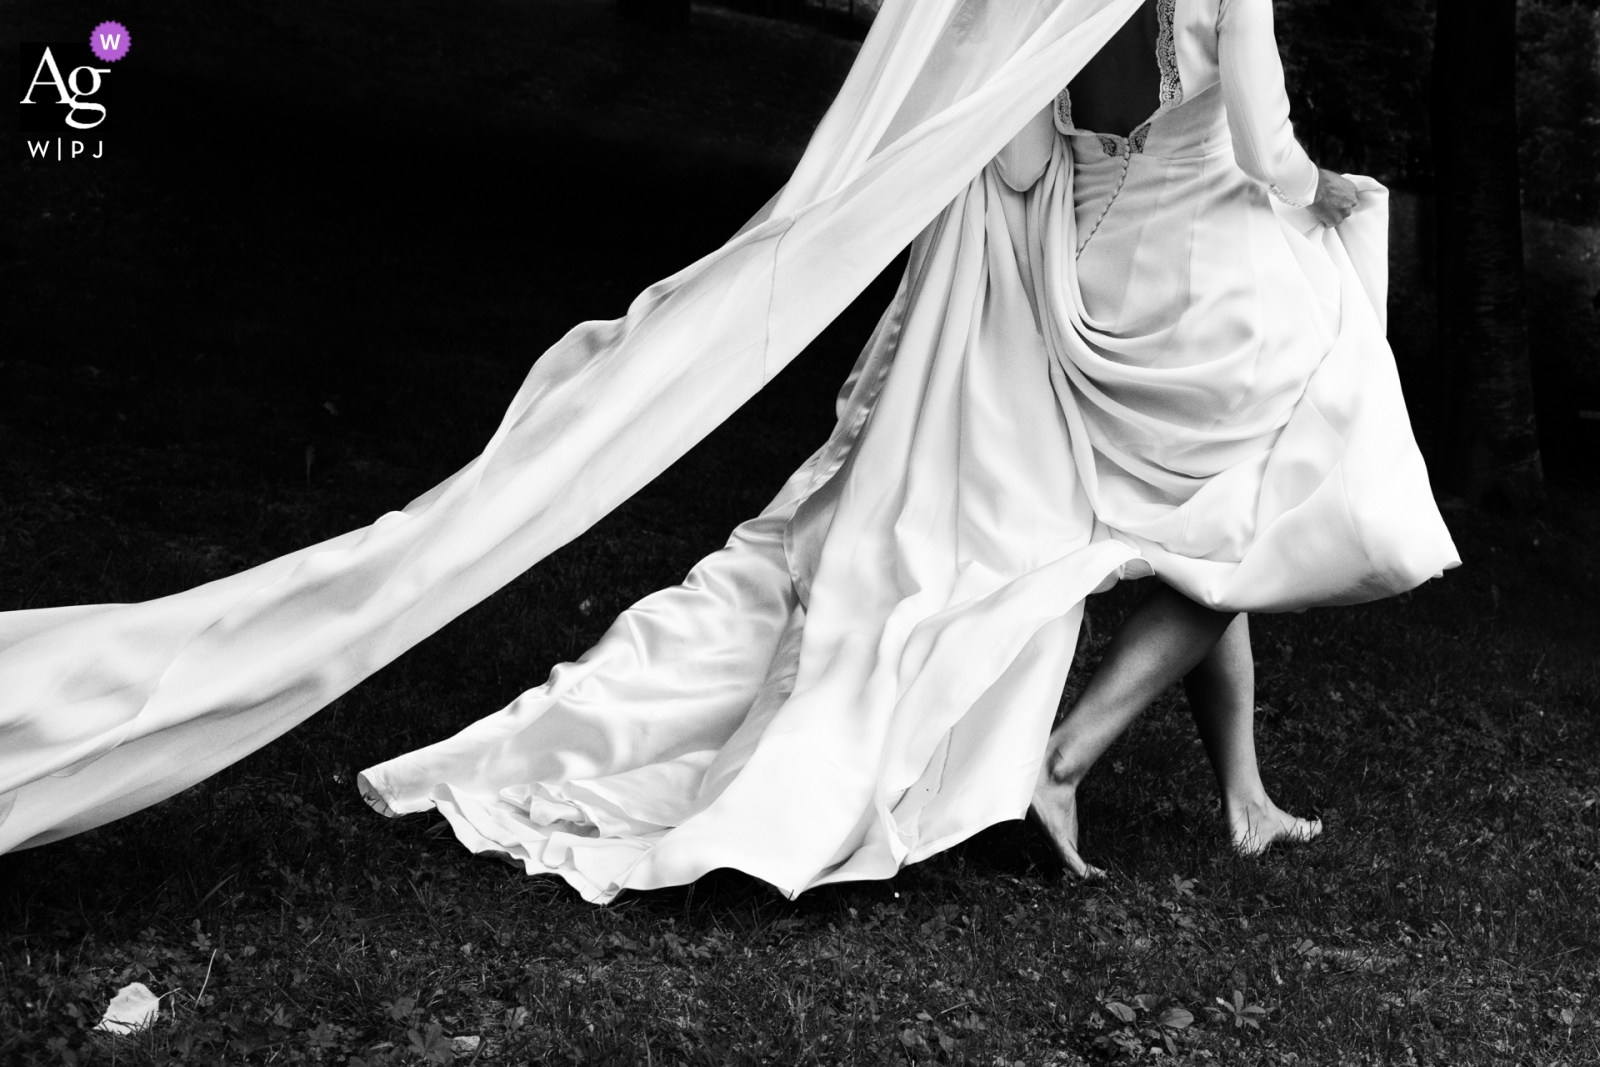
1169,92
1217,53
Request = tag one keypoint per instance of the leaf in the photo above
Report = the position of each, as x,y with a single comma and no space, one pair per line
1175,1019
1121,1011
323,1035
1146,1001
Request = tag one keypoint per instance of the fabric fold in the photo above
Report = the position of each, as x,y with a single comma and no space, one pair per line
176,688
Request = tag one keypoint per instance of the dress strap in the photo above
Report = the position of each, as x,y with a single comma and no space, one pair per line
1062,112
1167,54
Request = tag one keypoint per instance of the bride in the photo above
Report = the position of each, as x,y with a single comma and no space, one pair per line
1125,107
1136,335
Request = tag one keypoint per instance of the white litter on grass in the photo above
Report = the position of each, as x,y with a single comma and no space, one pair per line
132,1009
464,1045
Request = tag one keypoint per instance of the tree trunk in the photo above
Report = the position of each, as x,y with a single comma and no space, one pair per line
1485,445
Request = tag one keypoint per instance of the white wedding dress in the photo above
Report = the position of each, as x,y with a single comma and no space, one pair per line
1108,356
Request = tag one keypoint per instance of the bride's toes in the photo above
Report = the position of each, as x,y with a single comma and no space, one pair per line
1054,814
1258,830
1076,867
1302,830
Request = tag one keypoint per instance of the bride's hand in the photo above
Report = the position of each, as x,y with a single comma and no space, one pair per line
1336,198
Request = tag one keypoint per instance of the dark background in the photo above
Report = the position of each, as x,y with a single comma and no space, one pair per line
324,246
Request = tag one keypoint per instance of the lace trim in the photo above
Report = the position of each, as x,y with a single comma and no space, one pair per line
1283,196
1063,112
1123,147
1167,54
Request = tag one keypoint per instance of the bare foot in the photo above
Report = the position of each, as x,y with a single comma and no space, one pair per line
1257,827
1055,812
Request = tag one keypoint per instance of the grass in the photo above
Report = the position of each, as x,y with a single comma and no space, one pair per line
293,329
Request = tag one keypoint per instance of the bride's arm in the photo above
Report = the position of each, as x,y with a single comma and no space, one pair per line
1024,158
1258,105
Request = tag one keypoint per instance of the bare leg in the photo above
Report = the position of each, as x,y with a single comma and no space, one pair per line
1164,638
1221,691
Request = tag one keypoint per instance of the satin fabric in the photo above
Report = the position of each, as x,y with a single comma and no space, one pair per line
107,708
1233,402
867,673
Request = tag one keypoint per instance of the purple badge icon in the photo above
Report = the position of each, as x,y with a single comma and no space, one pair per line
109,41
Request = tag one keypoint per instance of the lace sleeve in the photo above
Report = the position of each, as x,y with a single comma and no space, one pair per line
1257,104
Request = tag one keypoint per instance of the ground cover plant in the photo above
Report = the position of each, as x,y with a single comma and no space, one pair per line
298,329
